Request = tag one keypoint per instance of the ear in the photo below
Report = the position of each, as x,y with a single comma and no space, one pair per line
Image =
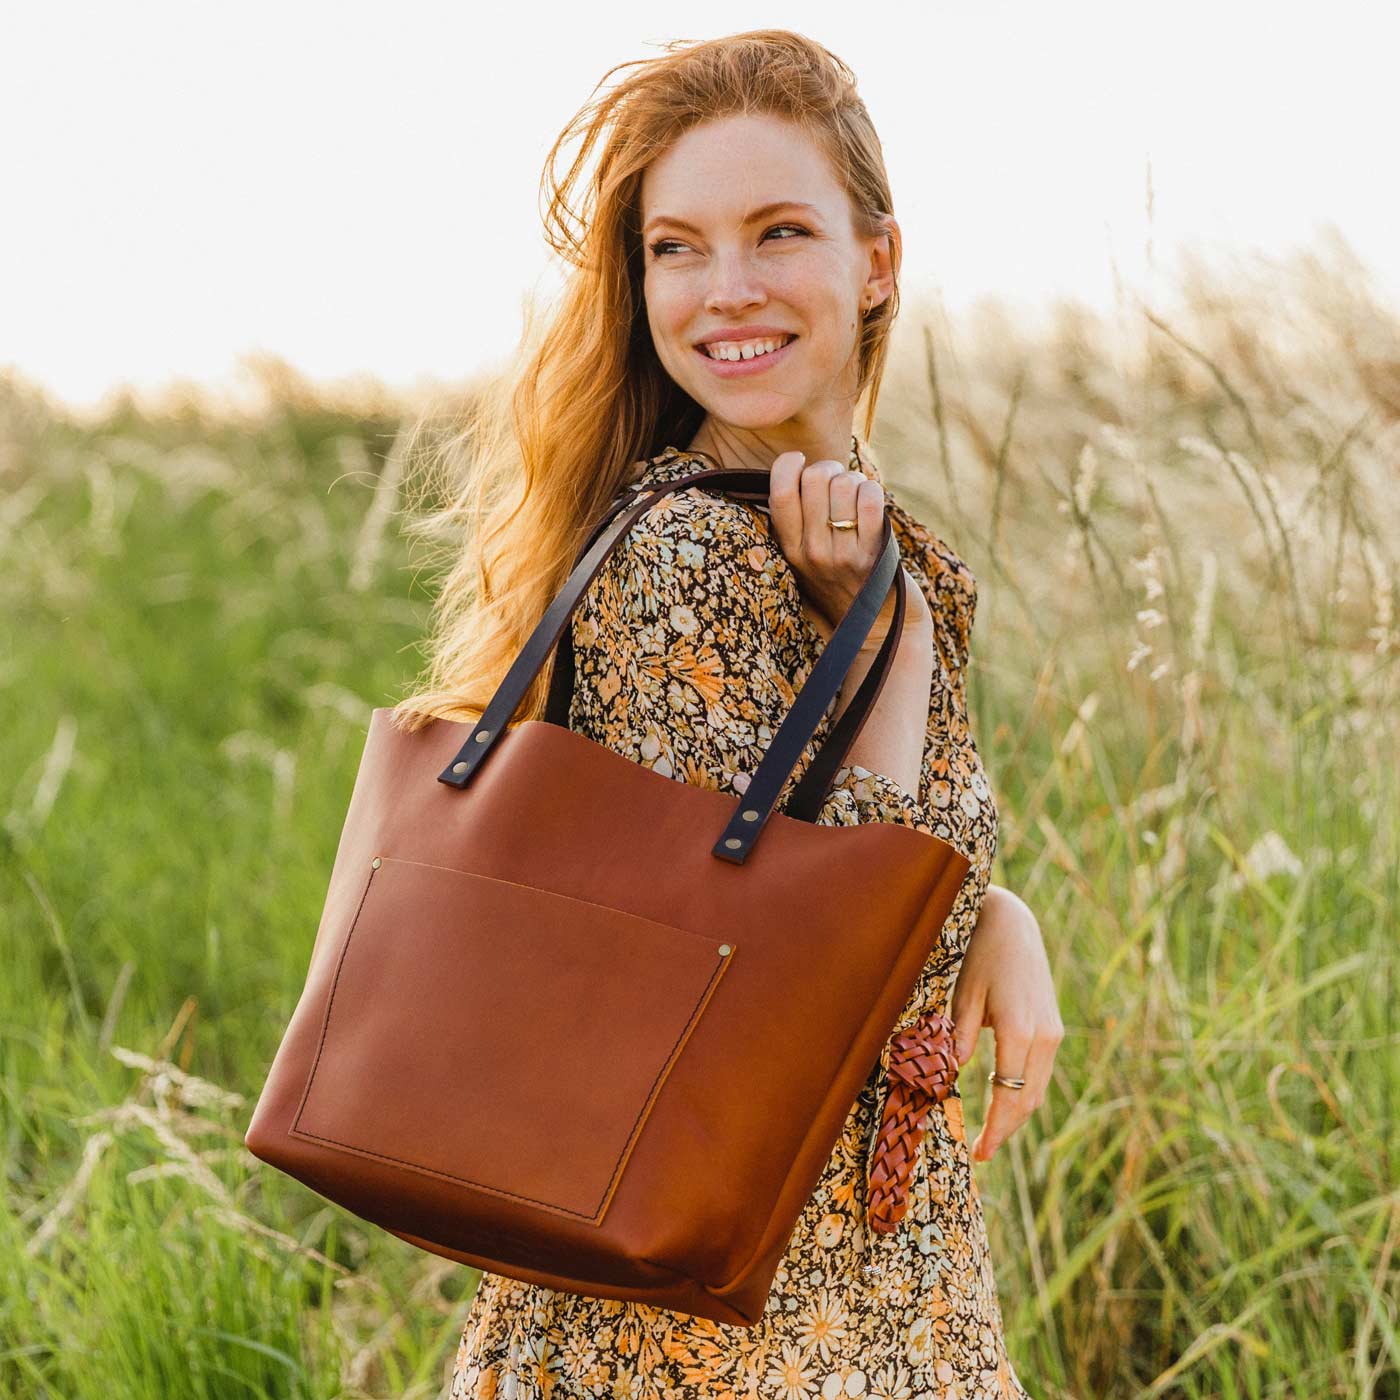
885,250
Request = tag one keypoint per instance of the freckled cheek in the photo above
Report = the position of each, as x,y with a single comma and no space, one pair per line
672,312
815,296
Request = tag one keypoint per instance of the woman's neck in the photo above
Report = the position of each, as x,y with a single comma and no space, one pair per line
736,450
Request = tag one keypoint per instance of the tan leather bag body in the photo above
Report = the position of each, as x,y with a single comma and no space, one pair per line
576,1022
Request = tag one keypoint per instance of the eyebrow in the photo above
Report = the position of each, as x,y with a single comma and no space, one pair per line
753,217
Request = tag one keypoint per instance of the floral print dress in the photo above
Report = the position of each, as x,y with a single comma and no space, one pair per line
690,645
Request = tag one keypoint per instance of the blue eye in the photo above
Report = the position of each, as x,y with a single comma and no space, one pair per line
666,242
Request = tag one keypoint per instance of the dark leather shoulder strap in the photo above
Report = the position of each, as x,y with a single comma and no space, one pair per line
801,722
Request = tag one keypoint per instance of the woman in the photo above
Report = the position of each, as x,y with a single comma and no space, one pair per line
736,280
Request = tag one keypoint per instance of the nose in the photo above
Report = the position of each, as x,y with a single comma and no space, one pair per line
733,286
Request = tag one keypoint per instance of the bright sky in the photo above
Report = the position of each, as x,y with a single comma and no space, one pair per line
354,187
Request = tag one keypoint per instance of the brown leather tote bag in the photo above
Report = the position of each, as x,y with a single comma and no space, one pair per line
578,1023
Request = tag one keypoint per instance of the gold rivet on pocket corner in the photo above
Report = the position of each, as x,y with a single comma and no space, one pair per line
725,950
375,862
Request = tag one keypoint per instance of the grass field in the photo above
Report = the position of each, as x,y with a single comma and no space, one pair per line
1185,527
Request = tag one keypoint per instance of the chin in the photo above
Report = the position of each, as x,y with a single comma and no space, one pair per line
755,417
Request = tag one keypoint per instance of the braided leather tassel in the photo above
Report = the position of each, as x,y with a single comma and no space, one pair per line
923,1067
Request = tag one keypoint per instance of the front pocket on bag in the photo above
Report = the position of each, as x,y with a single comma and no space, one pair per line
508,1038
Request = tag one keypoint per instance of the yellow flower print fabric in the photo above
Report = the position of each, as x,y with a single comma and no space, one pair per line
690,645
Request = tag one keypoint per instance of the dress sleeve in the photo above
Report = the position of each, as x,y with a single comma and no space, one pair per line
859,795
951,586
684,650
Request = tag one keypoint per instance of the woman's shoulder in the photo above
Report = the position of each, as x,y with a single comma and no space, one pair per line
952,586
933,553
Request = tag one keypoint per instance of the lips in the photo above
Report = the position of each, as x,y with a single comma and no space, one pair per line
741,368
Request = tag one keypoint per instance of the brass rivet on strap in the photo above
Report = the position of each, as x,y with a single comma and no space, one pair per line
725,950
459,767
483,735
376,862
734,843
750,815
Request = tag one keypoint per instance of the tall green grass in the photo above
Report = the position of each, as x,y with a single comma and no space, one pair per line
1184,525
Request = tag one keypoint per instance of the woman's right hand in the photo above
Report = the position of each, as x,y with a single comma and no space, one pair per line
832,565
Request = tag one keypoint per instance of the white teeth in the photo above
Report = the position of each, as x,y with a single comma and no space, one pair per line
742,349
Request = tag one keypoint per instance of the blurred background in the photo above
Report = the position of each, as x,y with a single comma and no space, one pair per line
1146,382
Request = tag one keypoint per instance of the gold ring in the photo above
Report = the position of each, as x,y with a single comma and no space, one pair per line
1006,1080
841,524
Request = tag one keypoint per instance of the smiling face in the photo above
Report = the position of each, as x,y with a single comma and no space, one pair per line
747,234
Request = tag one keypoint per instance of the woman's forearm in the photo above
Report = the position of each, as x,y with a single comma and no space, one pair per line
891,741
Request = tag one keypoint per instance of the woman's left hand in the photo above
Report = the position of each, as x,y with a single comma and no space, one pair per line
1005,983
